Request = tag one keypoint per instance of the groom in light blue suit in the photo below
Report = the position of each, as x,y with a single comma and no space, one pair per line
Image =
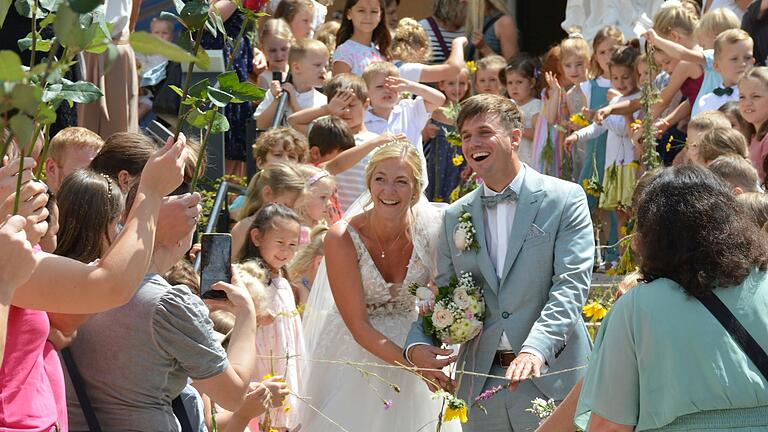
534,264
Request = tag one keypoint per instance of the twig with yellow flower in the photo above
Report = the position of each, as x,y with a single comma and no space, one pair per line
649,95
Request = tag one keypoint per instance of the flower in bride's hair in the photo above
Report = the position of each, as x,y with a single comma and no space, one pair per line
461,298
441,317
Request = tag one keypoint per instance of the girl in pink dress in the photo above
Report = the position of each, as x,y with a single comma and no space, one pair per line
273,239
753,106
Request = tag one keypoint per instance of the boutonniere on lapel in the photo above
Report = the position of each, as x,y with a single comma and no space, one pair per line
464,235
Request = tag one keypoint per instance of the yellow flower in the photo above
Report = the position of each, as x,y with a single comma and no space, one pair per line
595,311
273,430
266,377
669,146
634,164
585,184
623,230
579,120
458,160
637,122
471,66
454,194
455,413
286,408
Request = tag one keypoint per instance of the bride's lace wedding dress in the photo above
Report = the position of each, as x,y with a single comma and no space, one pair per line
363,398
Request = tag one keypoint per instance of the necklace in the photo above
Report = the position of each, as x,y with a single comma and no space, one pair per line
383,250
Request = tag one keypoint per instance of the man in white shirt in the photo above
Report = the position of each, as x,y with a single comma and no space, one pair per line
534,262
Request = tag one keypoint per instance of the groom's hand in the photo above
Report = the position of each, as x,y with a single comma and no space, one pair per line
425,357
523,367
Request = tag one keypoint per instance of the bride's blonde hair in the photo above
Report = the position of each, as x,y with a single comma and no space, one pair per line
405,151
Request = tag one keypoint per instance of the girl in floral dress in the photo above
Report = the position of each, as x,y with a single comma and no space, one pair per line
361,40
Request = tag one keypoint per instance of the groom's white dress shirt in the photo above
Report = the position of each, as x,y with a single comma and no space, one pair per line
498,228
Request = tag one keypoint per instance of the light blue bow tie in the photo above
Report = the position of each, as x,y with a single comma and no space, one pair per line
507,195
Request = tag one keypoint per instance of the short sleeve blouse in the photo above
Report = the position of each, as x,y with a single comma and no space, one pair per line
356,55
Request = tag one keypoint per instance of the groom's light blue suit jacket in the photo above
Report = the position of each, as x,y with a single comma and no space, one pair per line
539,299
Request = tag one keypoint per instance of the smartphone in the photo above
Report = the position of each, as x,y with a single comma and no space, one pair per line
159,132
277,76
215,263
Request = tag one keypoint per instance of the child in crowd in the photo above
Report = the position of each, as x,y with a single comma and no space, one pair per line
619,176
391,114
349,102
731,111
316,205
733,56
596,93
738,172
711,25
756,206
486,77
718,142
698,126
411,48
280,145
445,161
273,237
328,137
677,24
303,267
276,39
70,149
327,35
363,37
275,183
308,59
521,78
546,139
298,15
753,105
151,68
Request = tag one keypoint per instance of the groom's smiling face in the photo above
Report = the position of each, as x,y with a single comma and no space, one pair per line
490,150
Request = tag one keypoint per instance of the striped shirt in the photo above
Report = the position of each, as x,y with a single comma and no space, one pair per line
351,183
437,52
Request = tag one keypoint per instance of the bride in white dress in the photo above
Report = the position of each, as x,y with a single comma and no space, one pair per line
360,309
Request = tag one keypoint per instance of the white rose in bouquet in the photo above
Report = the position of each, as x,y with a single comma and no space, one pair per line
474,329
441,317
461,298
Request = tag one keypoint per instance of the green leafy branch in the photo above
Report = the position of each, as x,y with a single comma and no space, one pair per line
201,102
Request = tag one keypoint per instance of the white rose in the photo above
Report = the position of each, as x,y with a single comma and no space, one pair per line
424,293
474,328
461,298
441,317
460,239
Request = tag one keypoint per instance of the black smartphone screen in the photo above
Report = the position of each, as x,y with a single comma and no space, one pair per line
215,263
277,76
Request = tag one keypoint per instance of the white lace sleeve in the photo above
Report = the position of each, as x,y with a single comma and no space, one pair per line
425,231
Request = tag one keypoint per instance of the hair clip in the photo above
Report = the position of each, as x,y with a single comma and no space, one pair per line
109,185
536,72
317,177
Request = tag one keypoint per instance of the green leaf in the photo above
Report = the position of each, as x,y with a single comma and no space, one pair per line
179,5
42,45
199,89
10,66
83,6
203,61
145,43
26,98
5,6
194,14
68,29
24,7
49,5
46,115
218,22
23,127
47,21
201,119
177,90
218,97
245,91
170,16
80,92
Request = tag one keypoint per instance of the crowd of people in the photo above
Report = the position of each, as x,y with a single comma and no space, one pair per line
393,131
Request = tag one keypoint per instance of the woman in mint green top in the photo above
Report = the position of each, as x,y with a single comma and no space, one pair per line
661,361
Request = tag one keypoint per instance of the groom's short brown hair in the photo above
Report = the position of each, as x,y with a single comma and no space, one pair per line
493,105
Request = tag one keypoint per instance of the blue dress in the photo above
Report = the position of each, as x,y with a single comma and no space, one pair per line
235,144
598,98
443,175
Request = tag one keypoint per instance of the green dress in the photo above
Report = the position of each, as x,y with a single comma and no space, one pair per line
662,361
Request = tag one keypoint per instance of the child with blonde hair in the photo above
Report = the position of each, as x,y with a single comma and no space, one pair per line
276,39
304,265
486,78
411,49
719,142
298,15
316,205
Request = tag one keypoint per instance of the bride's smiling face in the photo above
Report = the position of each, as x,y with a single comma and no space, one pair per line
392,185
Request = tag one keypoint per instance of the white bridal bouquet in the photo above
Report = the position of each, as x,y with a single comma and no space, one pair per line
458,311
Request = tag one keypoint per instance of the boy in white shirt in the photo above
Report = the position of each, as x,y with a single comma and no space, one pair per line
308,62
389,114
733,56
